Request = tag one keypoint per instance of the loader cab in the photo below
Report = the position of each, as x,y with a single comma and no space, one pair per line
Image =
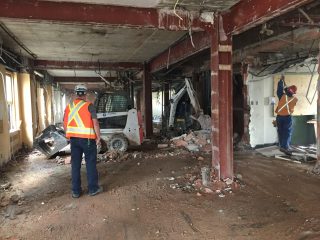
112,105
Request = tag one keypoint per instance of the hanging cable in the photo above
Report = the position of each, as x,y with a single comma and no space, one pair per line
168,59
174,10
190,30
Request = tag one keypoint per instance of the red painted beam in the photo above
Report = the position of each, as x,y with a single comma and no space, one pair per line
147,101
249,13
71,12
82,79
47,64
318,115
181,50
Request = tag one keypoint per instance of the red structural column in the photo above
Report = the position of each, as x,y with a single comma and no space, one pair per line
147,100
221,101
246,106
318,116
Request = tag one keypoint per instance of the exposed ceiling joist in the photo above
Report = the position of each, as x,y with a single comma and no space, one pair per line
247,14
73,65
81,79
181,50
241,17
296,38
118,16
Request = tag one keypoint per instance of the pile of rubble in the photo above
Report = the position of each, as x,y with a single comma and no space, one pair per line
194,141
164,150
194,182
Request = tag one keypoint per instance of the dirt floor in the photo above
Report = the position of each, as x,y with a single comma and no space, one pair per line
149,196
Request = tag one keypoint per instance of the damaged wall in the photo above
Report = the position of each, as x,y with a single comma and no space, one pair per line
261,112
27,109
15,135
4,123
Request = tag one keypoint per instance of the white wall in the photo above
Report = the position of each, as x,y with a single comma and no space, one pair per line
260,127
59,104
157,105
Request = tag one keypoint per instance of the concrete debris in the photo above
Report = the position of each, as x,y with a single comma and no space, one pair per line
208,190
163,145
205,174
15,198
222,195
299,154
199,194
193,148
67,160
180,143
200,158
5,186
69,207
239,176
195,141
228,181
10,212
316,169
4,201
59,160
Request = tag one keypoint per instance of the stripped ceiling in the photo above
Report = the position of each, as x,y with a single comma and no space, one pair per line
186,4
80,42
74,41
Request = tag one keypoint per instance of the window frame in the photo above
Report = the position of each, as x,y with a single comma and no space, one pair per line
13,103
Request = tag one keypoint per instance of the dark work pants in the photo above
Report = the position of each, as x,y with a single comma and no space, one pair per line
284,124
89,148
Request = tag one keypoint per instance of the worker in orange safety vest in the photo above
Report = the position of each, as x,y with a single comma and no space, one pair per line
82,128
284,110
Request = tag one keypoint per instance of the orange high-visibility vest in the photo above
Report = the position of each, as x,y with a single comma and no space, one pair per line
78,121
286,105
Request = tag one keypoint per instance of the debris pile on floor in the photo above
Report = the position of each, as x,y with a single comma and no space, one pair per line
195,181
194,141
299,153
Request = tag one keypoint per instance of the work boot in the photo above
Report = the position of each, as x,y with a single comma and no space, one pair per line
286,151
75,195
99,190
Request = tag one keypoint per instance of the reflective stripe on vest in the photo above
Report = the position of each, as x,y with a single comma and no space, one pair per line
80,130
74,113
286,105
77,124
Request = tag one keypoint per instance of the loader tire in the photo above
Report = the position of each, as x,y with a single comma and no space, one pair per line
118,143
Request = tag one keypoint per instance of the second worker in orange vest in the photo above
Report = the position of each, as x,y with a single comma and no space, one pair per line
287,102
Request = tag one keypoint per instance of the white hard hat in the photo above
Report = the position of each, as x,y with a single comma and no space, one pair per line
80,89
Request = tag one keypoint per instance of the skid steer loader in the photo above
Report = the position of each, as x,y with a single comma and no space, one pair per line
120,125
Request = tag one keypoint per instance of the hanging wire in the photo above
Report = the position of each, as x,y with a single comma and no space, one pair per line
190,30
174,10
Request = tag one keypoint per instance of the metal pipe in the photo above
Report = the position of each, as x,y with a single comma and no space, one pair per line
305,15
14,38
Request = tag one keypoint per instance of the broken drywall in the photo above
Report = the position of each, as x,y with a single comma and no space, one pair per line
4,122
261,111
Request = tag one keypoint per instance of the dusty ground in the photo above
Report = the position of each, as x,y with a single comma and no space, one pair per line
278,200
